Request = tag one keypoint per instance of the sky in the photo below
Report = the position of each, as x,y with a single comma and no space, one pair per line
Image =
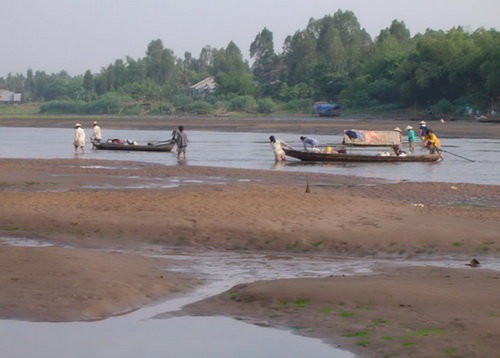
80,35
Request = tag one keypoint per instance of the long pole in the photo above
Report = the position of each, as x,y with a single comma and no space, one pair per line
456,155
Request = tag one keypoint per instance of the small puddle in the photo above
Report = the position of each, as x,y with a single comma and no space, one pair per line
134,182
24,242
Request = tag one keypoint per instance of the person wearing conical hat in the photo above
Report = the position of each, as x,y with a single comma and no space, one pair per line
79,138
423,130
96,133
397,147
411,138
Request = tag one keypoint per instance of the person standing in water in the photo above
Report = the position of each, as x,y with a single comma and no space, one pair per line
432,142
411,138
397,147
96,133
277,145
181,140
79,138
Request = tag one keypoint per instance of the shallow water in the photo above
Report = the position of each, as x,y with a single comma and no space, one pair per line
252,151
187,337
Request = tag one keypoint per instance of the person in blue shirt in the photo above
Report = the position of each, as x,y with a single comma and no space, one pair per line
422,130
309,143
411,138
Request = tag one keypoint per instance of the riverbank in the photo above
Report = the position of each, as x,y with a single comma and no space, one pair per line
469,128
88,209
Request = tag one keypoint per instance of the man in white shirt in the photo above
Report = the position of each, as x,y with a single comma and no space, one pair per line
277,146
79,138
96,133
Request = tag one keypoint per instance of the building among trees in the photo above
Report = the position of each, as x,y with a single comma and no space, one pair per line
203,87
8,97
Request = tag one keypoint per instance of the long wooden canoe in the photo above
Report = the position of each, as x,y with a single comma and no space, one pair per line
489,120
165,146
338,157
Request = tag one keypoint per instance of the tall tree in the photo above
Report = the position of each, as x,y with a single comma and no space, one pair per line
206,60
136,70
299,55
30,85
330,74
390,49
88,85
331,50
16,82
232,73
356,41
488,43
397,30
265,67
160,63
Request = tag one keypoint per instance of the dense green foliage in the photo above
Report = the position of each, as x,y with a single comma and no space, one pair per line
332,59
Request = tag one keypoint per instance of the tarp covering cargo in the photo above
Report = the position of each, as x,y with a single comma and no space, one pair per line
327,109
371,138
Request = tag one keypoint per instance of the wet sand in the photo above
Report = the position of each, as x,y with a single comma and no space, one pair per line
52,284
395,312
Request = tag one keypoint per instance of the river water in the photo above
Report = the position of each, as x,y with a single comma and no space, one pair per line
252,151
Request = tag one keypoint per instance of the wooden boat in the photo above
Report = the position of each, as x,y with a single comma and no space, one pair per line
484,119
347,157
363,138
113,144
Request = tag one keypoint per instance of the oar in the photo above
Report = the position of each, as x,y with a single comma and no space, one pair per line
456,155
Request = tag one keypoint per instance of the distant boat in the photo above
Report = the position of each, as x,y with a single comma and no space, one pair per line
117,144
484,119
325,109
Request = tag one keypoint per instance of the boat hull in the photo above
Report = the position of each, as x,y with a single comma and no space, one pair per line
489,120
337,157
163,147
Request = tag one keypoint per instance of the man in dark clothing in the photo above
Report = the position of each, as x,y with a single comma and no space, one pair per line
182,142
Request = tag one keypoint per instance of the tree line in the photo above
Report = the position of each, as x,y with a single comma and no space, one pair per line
332,59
